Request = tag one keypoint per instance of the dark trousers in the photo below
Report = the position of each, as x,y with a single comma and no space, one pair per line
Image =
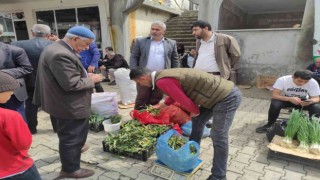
223,113
16,105
31,173
54,124
277,105
98,87
147,96
31,112
72,136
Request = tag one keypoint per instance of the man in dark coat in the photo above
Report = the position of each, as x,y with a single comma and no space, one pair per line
14,61
34,48
63,87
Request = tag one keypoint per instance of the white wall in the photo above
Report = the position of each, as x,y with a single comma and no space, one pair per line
29,9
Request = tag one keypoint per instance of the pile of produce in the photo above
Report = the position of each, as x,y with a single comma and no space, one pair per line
95,122
150,109
115,119
307,131
134,137
176,142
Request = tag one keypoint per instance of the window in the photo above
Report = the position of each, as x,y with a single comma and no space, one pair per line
14,26
63,19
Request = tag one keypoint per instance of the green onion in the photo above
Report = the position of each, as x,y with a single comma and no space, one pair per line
303,133
292,128
314,131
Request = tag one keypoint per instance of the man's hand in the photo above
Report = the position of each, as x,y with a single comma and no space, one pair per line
96,77
194,115
295,100
306,102
91,69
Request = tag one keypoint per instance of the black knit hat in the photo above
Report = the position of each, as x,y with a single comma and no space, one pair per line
7,82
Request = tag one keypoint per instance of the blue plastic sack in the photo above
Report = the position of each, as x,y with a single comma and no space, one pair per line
179,160
187,127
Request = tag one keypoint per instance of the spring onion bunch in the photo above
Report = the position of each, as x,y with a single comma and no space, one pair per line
314,136
292,128
303,133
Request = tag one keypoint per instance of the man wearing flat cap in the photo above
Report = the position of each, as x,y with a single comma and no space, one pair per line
63,88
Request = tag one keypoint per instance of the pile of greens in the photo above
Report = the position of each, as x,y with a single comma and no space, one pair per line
176,142
115,119
150,109
134,137
95,122
307,131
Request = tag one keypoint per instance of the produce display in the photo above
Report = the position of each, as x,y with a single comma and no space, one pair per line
115,119
307,131
176,142
133,137
150,109
95,122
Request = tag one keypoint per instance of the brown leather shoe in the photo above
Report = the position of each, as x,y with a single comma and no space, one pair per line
80,173
85,148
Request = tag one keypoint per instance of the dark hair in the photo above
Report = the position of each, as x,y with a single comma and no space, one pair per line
180,49
136,73
303,74
202,24
109,48
192,48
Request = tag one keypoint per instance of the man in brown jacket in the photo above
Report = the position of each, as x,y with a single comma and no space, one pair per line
63,88
216,53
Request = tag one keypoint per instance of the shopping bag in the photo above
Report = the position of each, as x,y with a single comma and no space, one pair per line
146,118
187,128
127,87
104,103
180,160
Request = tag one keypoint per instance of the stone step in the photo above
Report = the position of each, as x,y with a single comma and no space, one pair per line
184,19
180,23
185,35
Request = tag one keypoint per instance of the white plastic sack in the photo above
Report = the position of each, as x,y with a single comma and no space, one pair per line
104,103
127,87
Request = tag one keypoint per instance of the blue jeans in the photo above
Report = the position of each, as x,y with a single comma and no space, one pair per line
31,173
16,105
223,113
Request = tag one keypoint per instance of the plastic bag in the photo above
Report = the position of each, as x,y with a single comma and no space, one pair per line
180,160
187,128
127,87
104,103
147,118
177,115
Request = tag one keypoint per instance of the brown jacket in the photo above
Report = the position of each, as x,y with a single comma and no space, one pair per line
62,86
227,53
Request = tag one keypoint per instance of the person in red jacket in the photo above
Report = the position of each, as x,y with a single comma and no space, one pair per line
15,138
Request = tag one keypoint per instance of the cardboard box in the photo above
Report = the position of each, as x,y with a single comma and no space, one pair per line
266,81
276,151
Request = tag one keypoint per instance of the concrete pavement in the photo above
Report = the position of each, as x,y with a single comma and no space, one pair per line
247,154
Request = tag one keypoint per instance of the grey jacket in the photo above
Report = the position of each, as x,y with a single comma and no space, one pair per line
140,53
33,48
14,61
62,86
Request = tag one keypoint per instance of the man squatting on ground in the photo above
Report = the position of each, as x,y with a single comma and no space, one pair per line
298,91
204,96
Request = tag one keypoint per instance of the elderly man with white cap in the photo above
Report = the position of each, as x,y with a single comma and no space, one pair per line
63,88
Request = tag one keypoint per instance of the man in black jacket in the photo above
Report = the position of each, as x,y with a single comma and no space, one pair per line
188,59
34,48
14,61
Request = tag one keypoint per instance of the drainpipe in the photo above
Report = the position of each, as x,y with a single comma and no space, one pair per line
316,36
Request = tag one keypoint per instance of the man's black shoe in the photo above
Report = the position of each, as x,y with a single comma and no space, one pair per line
263,129
106,80
112,83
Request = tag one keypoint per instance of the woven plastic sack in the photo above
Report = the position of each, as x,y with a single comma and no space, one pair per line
127,87
104,103
179,160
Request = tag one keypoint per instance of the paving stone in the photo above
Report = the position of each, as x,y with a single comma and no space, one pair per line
248,174
272,175
238,143
97,174
142,176
112,175
256,167
248,150
261,158
233,175
296,168
233,150
237,167
51,167
133,171
289,175
276,166
50,176
243,158
312,175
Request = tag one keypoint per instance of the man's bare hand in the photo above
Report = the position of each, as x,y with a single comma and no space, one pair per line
91,69
306,103
194,115
96,77
102,68
295,100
